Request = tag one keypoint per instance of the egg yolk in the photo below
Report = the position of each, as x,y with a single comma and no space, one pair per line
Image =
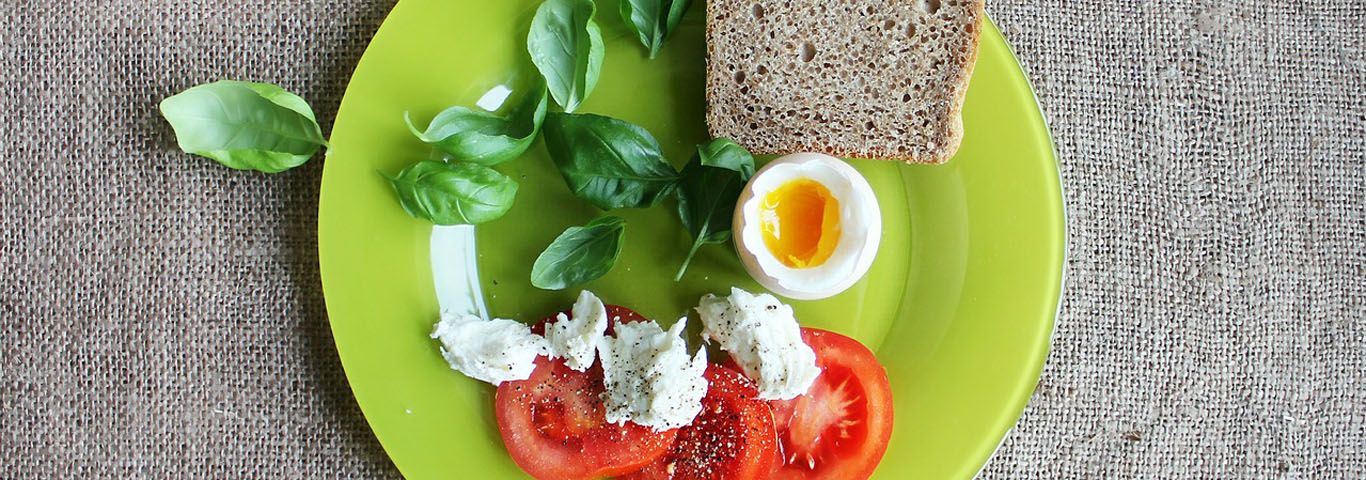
800,221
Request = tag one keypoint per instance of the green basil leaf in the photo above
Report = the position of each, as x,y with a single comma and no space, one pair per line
707,191
566,46
653,20
608,162
244,125
580,254
481,137
454,193
725,153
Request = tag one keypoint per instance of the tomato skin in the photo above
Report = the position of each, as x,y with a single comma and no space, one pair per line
555,426
840,428
732,439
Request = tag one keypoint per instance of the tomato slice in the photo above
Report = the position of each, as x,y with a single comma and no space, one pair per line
732,439
555,426
839,429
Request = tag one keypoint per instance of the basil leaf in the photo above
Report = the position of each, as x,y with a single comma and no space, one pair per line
481,137
244,125
725,153
608,162
653,20
454,193
566,46
580,254
707,191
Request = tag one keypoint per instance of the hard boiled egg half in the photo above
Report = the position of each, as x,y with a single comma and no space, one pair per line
807,226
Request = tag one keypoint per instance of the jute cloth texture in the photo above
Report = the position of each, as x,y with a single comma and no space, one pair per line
162,317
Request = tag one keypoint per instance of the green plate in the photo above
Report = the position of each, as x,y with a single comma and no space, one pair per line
959,305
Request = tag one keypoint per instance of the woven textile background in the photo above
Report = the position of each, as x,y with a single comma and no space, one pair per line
161,316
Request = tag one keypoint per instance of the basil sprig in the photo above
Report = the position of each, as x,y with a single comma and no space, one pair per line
454,193
707,191
580,254
244,125
653,20
481,137
566,46
608,162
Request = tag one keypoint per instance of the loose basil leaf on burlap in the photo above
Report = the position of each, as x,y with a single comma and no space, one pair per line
566,46
608,162
481,137
707,191
244,125
580,254
454,193
653,20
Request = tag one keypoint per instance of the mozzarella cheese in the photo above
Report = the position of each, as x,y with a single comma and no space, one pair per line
575,337
494,351
763,337
648,376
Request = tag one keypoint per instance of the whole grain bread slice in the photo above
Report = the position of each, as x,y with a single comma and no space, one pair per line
881,79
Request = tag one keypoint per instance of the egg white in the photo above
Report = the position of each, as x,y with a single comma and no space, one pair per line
860,227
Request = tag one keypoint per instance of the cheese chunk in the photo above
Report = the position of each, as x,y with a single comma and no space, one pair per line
763,337
494,351
648,376
574,337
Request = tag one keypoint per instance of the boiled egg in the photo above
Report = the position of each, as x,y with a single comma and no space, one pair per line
807,226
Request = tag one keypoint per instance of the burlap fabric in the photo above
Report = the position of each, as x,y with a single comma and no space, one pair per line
161,316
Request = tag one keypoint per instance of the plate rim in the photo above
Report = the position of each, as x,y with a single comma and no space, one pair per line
1062,258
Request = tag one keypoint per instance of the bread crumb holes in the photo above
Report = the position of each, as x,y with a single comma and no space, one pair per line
808,52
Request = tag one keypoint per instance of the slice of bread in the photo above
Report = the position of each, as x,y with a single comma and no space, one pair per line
879,79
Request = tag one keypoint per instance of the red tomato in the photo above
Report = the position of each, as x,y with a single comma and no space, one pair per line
839,429
732,439
555,426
